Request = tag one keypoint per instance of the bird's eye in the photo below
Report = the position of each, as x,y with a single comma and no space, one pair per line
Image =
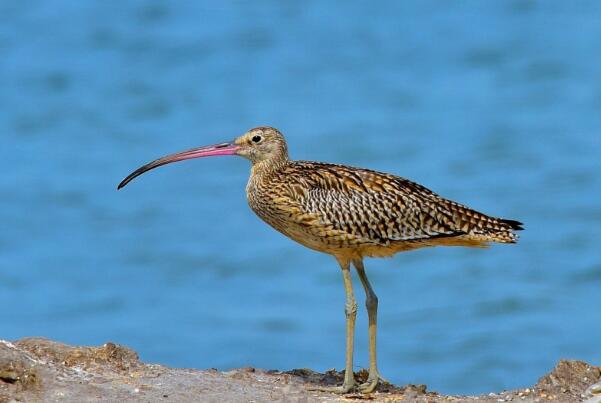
257,139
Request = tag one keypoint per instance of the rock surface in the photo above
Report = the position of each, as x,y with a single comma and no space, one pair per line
41,370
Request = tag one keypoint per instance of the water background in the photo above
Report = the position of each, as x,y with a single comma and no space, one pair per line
493,104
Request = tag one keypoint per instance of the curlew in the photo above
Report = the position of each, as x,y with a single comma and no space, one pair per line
349,213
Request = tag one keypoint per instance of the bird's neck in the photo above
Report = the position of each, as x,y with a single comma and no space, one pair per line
268,166
263,174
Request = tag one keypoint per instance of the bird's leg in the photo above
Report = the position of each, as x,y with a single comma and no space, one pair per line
371,302
350,310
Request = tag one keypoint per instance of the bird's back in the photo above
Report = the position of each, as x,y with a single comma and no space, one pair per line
339,209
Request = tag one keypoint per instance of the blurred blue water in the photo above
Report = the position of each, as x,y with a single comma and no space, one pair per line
493,104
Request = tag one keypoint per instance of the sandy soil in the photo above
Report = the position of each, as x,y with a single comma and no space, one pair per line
41,370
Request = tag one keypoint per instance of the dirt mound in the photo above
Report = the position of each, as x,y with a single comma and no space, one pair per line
41,370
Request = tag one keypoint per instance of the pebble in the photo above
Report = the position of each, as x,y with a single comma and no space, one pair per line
593,392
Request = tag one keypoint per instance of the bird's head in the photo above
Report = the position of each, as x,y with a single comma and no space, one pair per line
261,145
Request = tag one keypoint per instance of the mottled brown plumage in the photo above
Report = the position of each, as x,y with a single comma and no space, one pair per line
349,213
358,213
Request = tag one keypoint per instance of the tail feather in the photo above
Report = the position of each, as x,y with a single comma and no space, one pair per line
513,224
506,234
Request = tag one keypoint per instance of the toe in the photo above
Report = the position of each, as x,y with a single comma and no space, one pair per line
368,386
345,388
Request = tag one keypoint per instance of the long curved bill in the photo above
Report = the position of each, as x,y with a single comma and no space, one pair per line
207,151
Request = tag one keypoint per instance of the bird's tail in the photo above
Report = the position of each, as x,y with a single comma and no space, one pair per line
503,231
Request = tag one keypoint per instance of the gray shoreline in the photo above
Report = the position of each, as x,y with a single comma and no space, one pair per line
41,370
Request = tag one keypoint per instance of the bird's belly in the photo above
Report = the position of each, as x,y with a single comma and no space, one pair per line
293,230
296,233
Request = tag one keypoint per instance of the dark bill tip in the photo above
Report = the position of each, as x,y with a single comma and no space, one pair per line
207,151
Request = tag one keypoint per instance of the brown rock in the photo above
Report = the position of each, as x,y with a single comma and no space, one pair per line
569,377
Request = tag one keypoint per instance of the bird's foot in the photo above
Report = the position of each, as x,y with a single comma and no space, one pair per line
347,387
372,382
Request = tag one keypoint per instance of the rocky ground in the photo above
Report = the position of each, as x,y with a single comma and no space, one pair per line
40,370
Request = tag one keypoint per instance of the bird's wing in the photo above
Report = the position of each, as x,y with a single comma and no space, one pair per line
369,206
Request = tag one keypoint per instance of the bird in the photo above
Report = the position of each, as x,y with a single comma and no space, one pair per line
351,214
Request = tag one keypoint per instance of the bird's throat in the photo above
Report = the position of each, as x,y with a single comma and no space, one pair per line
267,166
